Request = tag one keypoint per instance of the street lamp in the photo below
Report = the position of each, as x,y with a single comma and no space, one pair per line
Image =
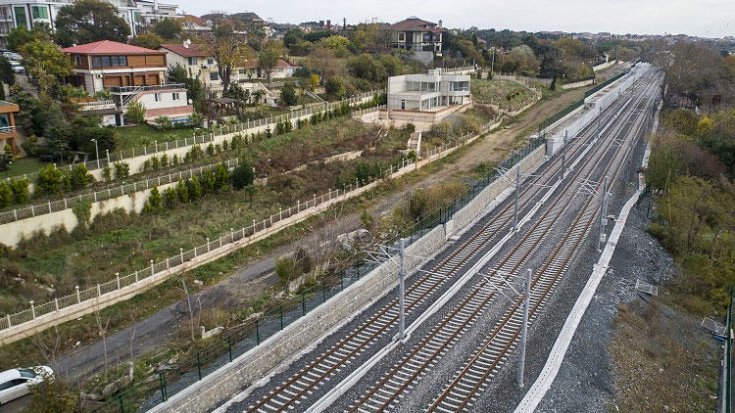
96,152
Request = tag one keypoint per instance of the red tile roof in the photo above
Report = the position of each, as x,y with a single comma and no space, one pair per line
108,47
178,48
414,24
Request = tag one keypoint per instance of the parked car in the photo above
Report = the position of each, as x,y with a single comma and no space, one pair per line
13,56
17,383
17,67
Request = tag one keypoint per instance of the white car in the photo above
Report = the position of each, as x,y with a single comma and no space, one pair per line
13,56
17,67
17,383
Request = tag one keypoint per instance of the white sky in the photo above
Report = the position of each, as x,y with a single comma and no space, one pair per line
707,18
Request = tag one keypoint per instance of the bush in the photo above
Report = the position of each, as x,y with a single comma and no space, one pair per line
51,181
122,170
182,192
169,198
107,173
6,195
20,190
136,113
80,177
288,94
243,176
154,202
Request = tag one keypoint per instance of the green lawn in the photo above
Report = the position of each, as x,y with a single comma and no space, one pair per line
128,137
504,93
24,166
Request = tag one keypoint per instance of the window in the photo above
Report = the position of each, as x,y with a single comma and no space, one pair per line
175,96
78,60
39,12
210,61
213,76
401,36
157,97
109,61
20,17
192,61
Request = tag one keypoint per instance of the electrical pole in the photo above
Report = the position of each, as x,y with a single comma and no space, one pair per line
401,292
524,329
563,155
603,214
515,208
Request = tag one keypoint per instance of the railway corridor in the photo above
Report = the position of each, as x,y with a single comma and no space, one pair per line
548,244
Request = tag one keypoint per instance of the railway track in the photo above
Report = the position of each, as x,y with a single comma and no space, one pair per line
385,393
298,387
474,376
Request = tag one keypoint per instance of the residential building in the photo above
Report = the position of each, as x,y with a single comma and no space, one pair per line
204,68
8,135
28,13
428,92
422,37
422,100
130,74
251,71
197,64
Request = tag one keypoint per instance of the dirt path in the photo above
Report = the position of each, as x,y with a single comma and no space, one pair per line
156,331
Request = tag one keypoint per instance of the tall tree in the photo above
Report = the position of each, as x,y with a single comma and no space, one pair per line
148,40
88,21
46,63
268,57
169,29
228,48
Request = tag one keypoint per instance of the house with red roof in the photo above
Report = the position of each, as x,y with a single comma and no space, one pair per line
130,74
200,66
422,37
197,64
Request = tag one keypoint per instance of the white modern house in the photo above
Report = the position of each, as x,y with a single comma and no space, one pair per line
423,99
429,92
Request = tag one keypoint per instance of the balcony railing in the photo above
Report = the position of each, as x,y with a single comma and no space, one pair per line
7,130
122,90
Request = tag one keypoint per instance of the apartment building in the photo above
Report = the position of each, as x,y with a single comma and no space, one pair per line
28,13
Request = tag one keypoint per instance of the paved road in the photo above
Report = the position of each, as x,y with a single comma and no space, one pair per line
16,406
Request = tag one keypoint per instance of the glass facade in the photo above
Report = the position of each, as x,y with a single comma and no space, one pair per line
39,12
20,17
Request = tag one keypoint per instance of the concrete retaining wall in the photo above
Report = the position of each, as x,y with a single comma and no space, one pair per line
309,330
578,84
13,232
318,324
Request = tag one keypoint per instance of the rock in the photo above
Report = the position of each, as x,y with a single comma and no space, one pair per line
349,240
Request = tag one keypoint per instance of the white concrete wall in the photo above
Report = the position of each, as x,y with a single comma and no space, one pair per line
166,100
578,84
13,232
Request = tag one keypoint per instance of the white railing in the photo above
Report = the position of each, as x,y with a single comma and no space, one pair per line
113,192
208,136
92,295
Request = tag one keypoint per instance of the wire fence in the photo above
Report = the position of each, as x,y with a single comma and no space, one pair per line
208,135
234,342
109,193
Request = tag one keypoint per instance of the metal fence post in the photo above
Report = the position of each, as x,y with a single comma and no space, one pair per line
303,304
229,347
257,331
79,299
199,367
33,310
162,384
280,308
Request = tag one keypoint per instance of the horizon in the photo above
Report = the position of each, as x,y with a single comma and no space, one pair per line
653,17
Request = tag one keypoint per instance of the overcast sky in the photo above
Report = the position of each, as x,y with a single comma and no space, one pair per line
708,18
